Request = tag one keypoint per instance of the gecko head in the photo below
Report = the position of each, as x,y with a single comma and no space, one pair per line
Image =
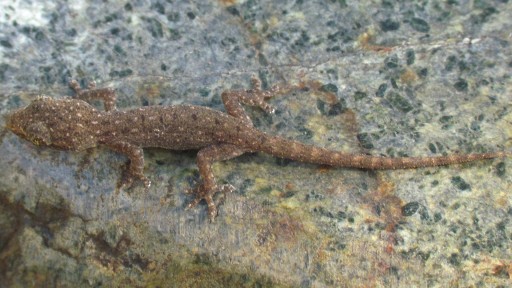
28,124
59,123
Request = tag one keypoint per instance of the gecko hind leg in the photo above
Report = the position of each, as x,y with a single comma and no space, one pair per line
256,97
208,187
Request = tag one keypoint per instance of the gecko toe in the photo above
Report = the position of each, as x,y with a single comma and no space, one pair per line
212,208
226,188
91,85
268,108
202,192
146,182
127,182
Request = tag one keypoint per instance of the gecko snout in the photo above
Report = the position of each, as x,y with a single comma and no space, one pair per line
12,123
9,124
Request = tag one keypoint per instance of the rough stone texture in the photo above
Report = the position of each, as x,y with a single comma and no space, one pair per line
405,78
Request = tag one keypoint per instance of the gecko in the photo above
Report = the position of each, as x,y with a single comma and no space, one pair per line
73,124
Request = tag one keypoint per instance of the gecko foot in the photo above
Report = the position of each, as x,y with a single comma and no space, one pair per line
73,84
257,97
203,192
128,180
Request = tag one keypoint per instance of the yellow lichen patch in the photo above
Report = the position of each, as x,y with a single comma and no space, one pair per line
298,15
317,124
502,200
365,42
505,126
290,203
408,77
273,21
150,90
260,183
275,193
365,38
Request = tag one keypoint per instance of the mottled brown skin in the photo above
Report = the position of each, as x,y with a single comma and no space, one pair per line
72,124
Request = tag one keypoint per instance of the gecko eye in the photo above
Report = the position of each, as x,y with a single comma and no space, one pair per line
38,134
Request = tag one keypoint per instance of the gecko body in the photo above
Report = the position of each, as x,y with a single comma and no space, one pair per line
73,124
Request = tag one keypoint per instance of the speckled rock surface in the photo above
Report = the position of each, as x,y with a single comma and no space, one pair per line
428,78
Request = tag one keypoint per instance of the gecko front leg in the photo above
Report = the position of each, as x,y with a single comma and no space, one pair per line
107,95
135,170
208,186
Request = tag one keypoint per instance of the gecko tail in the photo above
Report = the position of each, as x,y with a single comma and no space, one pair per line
297,151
